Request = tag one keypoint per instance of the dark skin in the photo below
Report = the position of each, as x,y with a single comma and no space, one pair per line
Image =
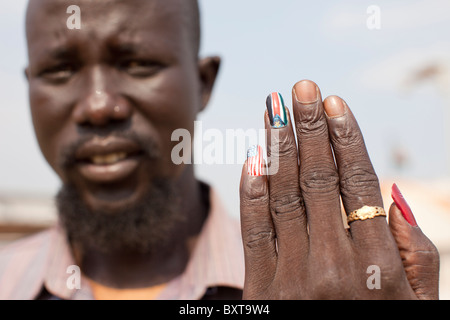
296,245
124,71
149,69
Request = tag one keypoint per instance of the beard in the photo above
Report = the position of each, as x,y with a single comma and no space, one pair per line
143,227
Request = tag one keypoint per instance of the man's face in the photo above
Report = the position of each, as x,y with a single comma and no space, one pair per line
106,98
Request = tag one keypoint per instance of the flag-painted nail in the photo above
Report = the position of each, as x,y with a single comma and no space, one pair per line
276,110
255,161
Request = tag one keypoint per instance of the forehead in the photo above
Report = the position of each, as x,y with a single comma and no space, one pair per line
158,22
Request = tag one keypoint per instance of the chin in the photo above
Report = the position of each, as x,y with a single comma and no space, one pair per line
137,219
111,199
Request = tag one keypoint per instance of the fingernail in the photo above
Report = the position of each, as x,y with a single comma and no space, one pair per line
277,110
334,107
401,203
255,161
306,92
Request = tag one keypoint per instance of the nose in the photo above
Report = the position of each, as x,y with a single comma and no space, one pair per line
101,103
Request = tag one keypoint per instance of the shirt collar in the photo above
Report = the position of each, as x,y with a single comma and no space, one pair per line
217,259
63,278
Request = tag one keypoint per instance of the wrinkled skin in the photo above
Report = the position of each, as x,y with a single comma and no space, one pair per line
124,80
125,72
296,245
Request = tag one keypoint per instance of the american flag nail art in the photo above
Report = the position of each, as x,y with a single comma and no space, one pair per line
255,161
276,110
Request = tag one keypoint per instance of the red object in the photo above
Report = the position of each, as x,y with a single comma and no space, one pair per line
276,104
401,203
255,161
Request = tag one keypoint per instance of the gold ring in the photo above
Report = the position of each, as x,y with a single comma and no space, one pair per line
366,212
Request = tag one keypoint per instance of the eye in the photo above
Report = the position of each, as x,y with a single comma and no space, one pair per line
59,73
141,68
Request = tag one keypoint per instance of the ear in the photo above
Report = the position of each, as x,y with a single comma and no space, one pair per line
26,73
208,70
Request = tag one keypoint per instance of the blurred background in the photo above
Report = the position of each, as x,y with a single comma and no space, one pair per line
390,61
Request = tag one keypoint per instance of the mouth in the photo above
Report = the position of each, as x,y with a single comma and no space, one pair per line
108,160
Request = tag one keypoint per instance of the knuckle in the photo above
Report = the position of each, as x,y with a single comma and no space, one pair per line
286,204
427,256
288,209
281,151
254,199
281,146
315,127
254,194
311,120
360,180
432,255
257,238
323,180
346,136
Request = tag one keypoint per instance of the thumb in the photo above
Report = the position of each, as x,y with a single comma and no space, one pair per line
419,255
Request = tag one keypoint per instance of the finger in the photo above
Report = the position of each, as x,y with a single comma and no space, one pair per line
419,255
359,184
319,181
286,203
258,234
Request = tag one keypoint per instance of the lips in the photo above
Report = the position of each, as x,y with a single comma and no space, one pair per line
106,160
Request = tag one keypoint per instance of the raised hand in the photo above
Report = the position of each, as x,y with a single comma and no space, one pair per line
296,245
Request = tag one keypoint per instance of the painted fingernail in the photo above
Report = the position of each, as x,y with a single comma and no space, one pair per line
306,92
401,203
277,110
255,161
334,107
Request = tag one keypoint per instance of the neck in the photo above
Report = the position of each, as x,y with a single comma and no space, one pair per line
128,269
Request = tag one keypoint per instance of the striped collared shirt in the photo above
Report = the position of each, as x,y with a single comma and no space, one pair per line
45,262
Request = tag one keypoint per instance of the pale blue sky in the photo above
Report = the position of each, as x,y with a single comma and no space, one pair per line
268,46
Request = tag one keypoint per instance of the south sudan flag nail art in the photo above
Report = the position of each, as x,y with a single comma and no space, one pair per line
276,110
